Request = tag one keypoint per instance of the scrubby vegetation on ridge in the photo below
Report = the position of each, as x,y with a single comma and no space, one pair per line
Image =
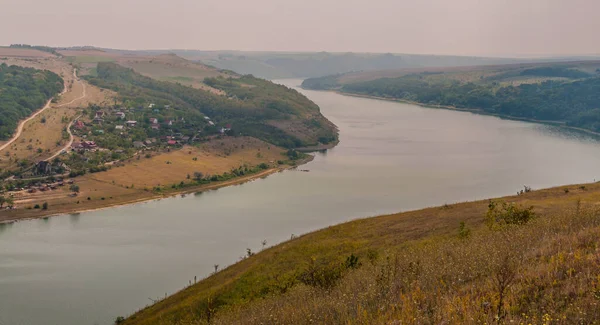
22,92
469,263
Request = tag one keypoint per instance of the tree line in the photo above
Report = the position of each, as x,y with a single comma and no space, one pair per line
576,103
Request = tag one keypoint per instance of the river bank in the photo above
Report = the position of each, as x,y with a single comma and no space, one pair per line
469,110
10,216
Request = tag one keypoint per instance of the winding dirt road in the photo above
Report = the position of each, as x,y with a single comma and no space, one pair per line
48,105
71,138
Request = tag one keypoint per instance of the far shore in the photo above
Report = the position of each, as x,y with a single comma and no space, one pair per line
469,110
14,215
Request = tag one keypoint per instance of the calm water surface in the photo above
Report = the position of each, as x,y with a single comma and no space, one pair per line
90,268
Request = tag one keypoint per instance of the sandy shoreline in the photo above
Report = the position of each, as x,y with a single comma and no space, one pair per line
155,197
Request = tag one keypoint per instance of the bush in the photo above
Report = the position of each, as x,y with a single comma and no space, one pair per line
45,206
504,214
37,206
320,275
463,231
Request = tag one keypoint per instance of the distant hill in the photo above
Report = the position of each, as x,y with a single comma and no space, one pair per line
277,65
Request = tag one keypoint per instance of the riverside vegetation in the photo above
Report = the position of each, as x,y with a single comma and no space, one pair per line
528,259
566,93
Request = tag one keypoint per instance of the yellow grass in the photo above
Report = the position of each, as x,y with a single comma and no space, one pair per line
23,53
172,68
214,158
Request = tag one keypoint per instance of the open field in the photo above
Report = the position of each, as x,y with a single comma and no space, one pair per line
413,260
165,67
24,53
213,158
469,73
169,67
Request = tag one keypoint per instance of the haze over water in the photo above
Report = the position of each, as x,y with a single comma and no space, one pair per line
90,268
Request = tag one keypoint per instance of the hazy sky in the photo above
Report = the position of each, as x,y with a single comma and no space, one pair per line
464,27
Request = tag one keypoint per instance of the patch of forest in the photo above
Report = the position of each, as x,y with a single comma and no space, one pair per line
22,92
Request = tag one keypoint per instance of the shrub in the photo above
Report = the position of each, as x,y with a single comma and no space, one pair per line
463,231
45,206
504,214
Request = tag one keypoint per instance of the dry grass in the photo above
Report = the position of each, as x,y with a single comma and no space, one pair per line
423,272
169,67
23,53
213,158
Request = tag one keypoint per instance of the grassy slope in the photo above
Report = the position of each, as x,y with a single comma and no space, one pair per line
443,291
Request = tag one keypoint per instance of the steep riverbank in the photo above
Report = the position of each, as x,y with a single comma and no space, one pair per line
273,283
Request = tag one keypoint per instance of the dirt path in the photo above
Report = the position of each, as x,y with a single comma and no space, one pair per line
48,104
71,138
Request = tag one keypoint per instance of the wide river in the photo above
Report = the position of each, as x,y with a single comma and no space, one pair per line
90,268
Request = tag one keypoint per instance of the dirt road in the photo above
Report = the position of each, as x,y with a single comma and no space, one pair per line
68,145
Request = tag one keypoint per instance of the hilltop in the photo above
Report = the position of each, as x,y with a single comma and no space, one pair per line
528,258
280,65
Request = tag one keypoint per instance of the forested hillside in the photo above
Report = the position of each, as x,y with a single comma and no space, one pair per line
251,106
551,93
577,103
22,92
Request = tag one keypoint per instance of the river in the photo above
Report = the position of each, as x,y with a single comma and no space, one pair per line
91,268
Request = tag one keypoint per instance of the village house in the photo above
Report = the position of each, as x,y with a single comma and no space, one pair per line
151,105
131,123
79,125
153,120
100,114
97,120
138,144
119,127
89,145
120,115
155,126
171,142
169,122
76,146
